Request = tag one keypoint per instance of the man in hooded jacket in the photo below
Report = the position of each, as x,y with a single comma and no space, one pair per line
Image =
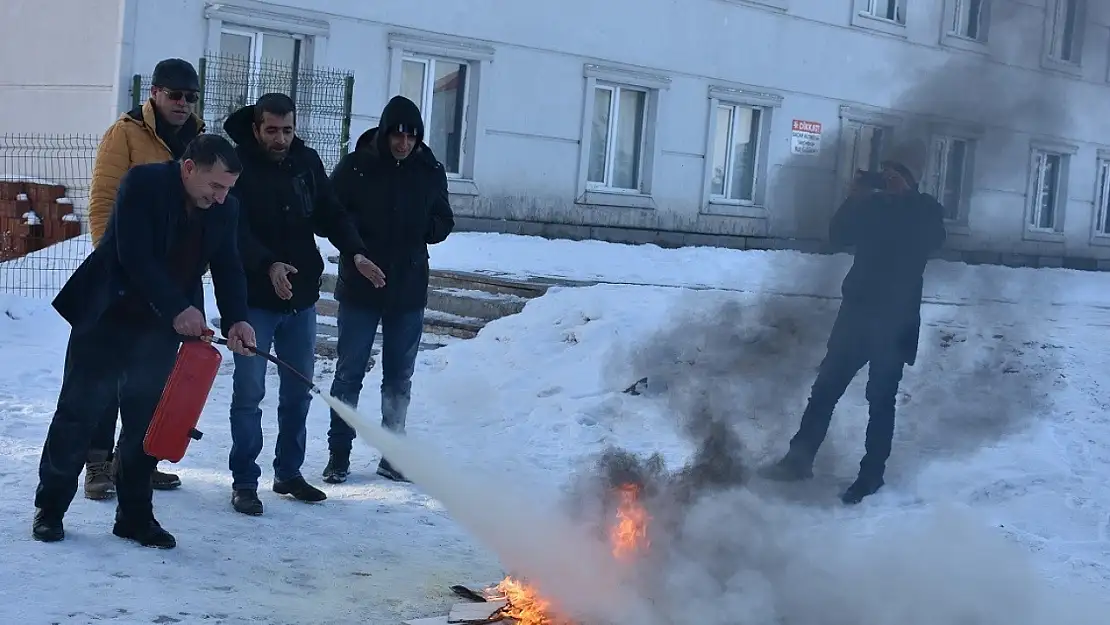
894,228
285,199
397,192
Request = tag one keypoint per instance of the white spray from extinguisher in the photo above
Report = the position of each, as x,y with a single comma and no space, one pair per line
566,563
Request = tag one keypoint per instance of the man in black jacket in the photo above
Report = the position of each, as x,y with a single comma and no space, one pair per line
130,303
894,228
397,192
285,198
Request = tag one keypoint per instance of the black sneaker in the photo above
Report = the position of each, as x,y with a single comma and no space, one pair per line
47,527
863,487
246,501
164,481
339,467
788,469
300,490
387,471
146,532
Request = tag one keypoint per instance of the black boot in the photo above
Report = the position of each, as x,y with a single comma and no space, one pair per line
387,471
246,501
47,526
793,467
865,485
143,529
339,466
300,490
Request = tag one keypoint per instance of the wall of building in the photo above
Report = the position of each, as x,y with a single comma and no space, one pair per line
532,69
60,69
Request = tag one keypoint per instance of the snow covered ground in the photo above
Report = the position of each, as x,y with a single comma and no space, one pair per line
1004,416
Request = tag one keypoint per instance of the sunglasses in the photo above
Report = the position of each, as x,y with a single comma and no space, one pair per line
189,96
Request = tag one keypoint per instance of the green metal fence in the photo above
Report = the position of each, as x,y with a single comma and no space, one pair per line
323,97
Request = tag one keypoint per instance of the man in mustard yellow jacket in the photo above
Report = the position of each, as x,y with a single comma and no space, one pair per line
155,132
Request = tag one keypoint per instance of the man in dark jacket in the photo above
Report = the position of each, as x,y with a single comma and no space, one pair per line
893,228
397,192
285,198
129,304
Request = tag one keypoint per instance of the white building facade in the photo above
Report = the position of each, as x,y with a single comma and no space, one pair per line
725,122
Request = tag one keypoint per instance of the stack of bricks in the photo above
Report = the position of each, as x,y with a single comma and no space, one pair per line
34,215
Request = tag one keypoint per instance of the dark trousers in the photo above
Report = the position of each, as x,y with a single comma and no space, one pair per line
113,362
104,434
401,334
854,343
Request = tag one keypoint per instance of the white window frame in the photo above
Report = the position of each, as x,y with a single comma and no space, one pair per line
615,91
941,134
863,16
1053,32
748,97
256,36
263,17
852,117
429,63
478,56
599,76
1037,148
951,34
1100,216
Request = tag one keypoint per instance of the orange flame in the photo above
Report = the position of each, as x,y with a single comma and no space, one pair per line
629,534
525,605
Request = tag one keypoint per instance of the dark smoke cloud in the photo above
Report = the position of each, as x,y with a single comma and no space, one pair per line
735,376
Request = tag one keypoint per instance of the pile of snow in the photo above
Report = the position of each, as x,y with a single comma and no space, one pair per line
1000,425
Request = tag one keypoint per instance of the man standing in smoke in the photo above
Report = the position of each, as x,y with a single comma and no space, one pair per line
893,228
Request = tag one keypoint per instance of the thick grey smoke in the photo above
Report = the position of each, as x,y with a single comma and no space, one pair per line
736,375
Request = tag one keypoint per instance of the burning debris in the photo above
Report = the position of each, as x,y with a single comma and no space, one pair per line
515,601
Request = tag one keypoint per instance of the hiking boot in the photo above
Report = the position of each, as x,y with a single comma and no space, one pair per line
147,532
246,501
864,486
387,471
300,490
47,526
339,467
98,477
791,468
164,481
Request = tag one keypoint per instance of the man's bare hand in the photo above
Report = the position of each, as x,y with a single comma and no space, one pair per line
190,322
241,339
279,277
369,270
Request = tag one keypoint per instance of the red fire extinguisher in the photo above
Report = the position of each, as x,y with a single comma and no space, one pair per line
174,423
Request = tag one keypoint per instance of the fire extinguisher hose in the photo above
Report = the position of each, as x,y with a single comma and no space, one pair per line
274,359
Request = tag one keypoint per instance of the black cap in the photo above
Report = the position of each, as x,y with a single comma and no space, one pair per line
402,115
176,74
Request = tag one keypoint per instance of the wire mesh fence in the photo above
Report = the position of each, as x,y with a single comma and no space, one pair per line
228,83
44,198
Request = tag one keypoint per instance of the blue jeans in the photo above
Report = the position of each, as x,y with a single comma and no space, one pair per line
401,334
293,337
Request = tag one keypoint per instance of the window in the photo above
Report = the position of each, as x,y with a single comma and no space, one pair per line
893,10
269,61
968,20
862,148
1064,23
617,137
440,88
1102,197
443,76
735,152
617,149
1047,182
947,176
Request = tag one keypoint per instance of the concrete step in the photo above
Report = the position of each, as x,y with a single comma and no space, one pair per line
474,303
435,321
464,280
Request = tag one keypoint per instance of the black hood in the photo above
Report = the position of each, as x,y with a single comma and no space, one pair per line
239,127
403,113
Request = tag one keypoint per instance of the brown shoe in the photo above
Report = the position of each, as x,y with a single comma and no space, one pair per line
98,477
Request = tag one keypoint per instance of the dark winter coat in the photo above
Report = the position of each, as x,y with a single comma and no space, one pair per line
282,205
139,260
893,236
400,207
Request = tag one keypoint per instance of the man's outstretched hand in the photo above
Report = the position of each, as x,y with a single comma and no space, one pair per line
240,339
279,278
369,270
